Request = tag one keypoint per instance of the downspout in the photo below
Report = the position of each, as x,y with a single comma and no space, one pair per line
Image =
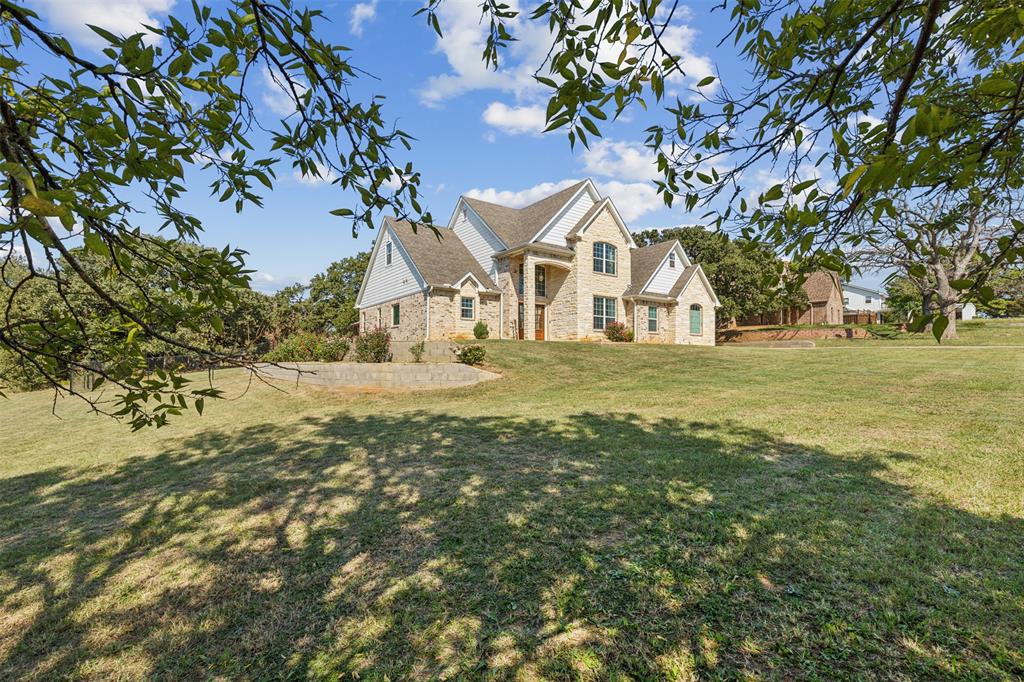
426,301
501,314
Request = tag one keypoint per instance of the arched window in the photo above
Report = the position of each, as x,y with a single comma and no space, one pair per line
696,319
604,258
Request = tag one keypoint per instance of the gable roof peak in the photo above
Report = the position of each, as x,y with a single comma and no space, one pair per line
516,226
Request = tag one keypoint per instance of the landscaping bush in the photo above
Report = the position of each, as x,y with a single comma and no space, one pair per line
617,331
374,346
472,354
480,330
306,347
417,350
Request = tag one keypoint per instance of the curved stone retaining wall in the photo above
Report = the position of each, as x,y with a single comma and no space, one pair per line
383,375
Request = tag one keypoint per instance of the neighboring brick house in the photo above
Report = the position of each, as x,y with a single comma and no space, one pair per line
561,268
825,304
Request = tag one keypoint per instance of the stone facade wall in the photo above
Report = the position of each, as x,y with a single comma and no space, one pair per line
446,313
590,283
412,318
666,323
695,293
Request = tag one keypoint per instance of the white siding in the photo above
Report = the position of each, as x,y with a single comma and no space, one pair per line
857,300
665,277
566,220
478,238
386,282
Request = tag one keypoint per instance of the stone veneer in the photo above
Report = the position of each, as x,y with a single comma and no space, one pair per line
694,292
590,283
412,318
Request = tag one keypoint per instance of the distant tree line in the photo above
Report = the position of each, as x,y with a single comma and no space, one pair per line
244,325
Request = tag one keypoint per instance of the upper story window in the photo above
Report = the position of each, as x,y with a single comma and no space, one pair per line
867,299
466,307
519,280
540,284
604,258
846,300
387,253
671,259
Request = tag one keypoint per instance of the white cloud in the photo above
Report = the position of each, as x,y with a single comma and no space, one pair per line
267,283
276,95
122,17
362,13
463,41
518,199
515,120
764,179
326,176
620,159
632,199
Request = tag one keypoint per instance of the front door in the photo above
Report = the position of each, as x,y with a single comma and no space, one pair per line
538,322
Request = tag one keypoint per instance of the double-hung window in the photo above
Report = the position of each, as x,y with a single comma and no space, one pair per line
466,307
396,314
604,311
604,258
652,318
671,259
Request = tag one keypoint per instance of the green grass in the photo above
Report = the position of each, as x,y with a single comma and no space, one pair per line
627,512
976,332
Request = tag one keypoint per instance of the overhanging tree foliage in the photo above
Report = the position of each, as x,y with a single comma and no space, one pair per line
87,144
844,101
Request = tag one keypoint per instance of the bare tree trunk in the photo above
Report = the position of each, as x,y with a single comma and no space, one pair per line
927,307
948,299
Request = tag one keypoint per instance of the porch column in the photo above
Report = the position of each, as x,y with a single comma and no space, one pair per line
529,298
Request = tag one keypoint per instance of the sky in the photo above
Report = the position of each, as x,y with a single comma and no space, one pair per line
477,131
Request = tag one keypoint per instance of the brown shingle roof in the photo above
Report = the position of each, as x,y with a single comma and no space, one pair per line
643,262
820,284
517,226
684,277
440,257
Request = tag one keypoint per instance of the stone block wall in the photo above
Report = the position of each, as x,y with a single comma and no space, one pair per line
666,323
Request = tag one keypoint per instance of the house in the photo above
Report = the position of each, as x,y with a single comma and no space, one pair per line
561,268
862,305
824,304
857,298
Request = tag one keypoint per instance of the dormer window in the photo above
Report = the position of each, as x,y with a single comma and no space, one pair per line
671,259
387,253
604,258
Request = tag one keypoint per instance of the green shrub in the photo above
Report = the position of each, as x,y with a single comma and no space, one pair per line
480,330
306,347
373,346
417,350
18,374
473,354
617,331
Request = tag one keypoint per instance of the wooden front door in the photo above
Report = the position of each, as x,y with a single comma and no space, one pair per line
538,322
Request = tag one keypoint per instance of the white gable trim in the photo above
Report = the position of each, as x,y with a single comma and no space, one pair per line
469,275
608,203
588,186
385,228
683,260
463,204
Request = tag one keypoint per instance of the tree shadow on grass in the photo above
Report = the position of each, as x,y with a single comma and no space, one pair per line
426,545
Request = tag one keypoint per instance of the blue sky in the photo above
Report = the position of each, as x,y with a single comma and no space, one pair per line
477,131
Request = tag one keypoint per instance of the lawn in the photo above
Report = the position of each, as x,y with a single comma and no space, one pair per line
977,332
625,512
